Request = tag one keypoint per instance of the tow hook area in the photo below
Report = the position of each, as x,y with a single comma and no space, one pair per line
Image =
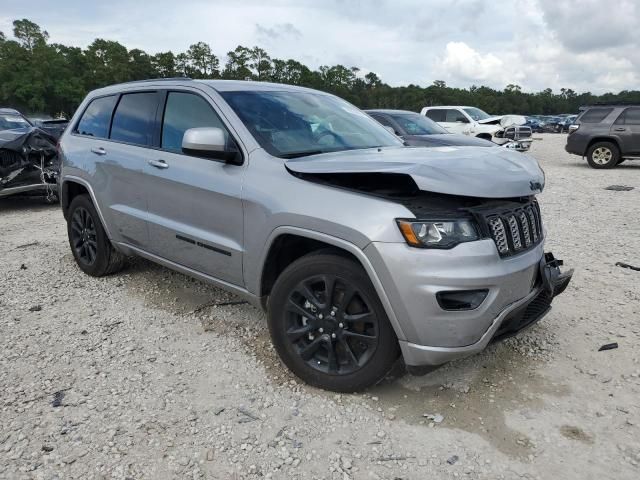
554,281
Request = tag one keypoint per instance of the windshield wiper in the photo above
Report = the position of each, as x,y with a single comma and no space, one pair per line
304,153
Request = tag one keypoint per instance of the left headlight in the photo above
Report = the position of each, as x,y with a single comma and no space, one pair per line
437,233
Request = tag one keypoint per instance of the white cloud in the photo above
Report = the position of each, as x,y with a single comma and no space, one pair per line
583,45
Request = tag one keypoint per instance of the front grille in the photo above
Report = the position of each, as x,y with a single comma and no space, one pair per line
516,230
517,132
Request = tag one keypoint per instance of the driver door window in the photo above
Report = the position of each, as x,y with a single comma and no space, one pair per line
182,112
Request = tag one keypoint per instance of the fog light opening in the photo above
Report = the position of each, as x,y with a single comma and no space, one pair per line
460,300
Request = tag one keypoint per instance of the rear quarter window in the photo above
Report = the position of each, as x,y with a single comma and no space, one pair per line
595,115
631,116
96,118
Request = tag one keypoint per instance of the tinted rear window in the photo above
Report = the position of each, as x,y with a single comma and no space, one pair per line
437,115
631,116
134,118
595,115
96,118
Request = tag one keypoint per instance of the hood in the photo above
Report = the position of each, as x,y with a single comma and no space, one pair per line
446,140
466,171
504,120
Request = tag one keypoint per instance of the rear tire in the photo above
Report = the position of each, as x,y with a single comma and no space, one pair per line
603,155
328,324
89,243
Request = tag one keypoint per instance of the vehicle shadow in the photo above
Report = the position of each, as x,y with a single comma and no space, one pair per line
17,203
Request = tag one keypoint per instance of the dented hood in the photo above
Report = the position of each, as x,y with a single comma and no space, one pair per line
504,120
467,171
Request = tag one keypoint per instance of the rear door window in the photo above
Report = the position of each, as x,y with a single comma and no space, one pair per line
134,118
595,115
96,118
437,115
631,116
182,112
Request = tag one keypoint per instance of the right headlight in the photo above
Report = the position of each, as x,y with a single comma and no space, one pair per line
438,233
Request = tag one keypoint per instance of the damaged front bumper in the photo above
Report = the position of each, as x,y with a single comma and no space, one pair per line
546,281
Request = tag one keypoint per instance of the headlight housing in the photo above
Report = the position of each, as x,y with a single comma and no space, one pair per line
438,233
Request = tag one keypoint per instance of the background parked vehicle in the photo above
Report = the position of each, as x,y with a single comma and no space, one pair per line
28,157
606,135
419,131
475,122
53,126
360,248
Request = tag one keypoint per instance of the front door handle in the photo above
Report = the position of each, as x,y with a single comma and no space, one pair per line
99,150
158,163
620,129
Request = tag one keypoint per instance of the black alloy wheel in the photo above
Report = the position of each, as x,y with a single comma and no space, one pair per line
330,325
84,236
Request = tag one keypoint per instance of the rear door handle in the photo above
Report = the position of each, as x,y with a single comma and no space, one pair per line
158,164
98,150
620,129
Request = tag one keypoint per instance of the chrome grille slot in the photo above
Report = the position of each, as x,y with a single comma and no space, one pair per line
516,230
499,235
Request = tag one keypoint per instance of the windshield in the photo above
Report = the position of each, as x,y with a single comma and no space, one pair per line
9,121
296,124
415,124
477,114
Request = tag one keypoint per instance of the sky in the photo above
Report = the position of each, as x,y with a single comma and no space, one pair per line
585,45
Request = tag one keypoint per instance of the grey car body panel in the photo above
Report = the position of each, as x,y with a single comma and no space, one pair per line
468,171
244,209
446,140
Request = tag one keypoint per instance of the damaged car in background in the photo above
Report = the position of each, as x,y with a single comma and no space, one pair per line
28,158
419,131
363,251
507,130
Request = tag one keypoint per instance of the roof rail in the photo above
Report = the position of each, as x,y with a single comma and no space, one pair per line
610,104
162,79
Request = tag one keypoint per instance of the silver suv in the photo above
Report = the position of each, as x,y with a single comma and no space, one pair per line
362,250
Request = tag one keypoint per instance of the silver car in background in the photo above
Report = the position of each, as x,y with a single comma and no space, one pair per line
363,251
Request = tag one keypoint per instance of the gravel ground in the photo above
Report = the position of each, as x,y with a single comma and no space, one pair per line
148,374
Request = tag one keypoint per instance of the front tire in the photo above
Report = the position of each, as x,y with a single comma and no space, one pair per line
89,243
603,155
328,324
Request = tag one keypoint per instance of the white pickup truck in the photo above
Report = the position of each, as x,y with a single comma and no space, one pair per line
472,121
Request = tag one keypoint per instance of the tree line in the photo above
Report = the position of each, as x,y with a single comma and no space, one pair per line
51,78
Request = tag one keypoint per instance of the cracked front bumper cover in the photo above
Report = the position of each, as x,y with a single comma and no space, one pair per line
550,282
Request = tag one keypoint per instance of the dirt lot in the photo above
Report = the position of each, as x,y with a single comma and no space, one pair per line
149,374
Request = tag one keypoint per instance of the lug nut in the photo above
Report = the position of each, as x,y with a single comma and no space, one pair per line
321,330
320,316
333,314
341,325
333,335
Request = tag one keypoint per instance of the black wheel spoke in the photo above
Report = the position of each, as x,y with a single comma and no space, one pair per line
332,358
296,334
347,296
350,356
295,308
308,351
358,317
329,286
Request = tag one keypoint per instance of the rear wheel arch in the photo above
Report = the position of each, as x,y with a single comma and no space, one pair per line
599,139
70,190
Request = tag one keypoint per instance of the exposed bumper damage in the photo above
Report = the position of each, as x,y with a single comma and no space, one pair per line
513,134
28,162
